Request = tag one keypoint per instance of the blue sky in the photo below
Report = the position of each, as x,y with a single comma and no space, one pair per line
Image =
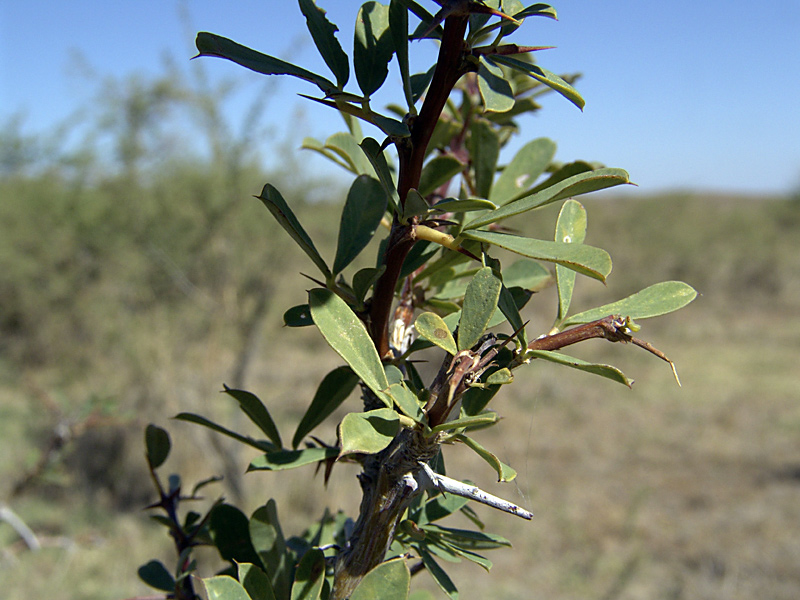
699,95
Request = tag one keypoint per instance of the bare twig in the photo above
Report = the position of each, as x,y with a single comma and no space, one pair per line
23,531
445,484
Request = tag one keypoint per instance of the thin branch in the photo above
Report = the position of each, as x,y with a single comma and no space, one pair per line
18,525
452,486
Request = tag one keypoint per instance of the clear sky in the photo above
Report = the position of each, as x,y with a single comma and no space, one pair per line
682,94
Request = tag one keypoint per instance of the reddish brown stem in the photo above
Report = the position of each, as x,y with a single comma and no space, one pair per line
411,153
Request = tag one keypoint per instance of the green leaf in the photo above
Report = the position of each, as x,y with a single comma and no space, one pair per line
420,83
364,279
438,171
576,185
346,334
332,391
590,261
230,531
368,432
658,299
541,75
475,399
480,303
298,316
362,213
398,24
156,441
347,147
439,507
487,418
373,47
500,377
255,582
262,445
494,87
406,401
528,275
323,33
469,539
508,307
386,124
484,151
209,44
606,371
458,205
415,205
524,169
564,172
504,472
570,229
373,152
283,460
224,587
273,200
310,576
317,146
252,406
439,576
156,575
432,327
390,580
269,543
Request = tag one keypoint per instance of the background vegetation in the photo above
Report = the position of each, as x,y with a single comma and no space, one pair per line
136,277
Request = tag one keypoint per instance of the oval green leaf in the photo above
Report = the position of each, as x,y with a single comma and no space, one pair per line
346,334
155,574
273,200
494,87
368,432
283,460
407,402
252,406
570,229
268,540
373,46
504,472
590,261
481,420
653,301
209,44
156,441
255,581
298,316
347,148
310,576
432,327
224,587
457,205
607,371
323,32
390,580
583,183
480,303
524,169
230,531
484,145
528,275
361,215
332,391
544,76
262,445
437,171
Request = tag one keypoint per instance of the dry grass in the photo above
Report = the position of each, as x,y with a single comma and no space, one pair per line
655,492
